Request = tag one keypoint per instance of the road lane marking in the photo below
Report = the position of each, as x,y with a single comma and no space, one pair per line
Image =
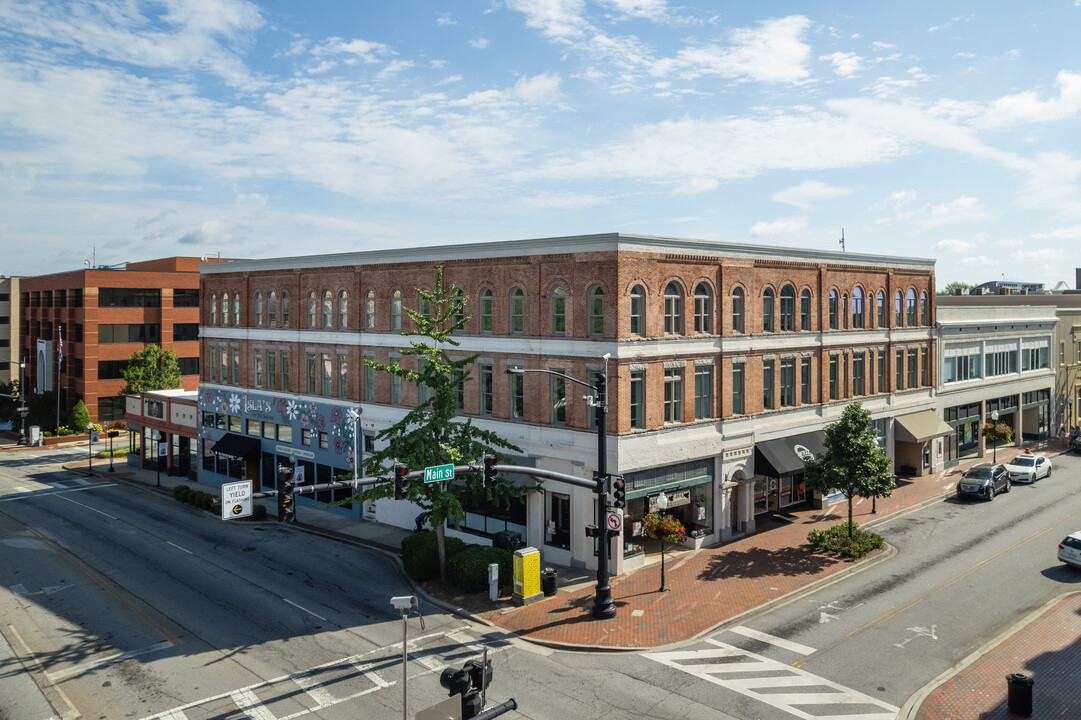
806,696
772,640
189,552
66,673
71,713
38,494
298,607
111,517
249,703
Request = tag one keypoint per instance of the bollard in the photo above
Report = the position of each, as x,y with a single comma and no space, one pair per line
493,582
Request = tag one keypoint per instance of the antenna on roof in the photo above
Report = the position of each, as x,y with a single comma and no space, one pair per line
842,240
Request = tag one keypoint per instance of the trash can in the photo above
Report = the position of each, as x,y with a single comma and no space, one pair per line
1019,695
548,578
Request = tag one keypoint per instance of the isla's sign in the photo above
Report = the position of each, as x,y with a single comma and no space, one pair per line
257,405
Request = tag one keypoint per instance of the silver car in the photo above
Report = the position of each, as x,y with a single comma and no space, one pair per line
1029,468
1069,550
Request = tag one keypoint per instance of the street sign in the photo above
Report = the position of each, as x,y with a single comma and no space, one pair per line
235,500
439,473
22,409
614,521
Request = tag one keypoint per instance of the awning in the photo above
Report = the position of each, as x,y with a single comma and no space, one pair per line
238,447
785,456
921,426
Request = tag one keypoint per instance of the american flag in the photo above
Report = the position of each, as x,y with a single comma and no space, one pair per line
60,353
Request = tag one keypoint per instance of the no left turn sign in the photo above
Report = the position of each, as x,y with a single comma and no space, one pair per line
614,521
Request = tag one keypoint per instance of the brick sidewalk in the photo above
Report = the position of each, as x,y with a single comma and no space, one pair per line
715,585
1047,649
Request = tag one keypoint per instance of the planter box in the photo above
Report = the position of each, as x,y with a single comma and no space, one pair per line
694,543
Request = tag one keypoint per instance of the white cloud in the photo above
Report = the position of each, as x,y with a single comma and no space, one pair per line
1065,233
560,20
394,67
954,245
479,43
844,64
807,194
445,19
977,261
1026,107
781,226
539,89
212,232
364,50
650,9
695,186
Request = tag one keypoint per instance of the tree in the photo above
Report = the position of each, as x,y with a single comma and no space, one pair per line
432,433
79,417
852,462
953,287
151,369
9,400
42,409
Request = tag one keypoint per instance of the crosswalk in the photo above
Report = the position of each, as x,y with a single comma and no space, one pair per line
308,691
780,685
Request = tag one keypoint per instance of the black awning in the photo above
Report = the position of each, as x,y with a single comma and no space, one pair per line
239,447
785,456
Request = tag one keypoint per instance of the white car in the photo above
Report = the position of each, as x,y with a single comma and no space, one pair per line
1069,550
1029,468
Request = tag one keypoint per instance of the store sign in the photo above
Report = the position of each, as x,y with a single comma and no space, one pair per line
155,409
676,498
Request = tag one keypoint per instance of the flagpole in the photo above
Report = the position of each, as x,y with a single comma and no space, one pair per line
59,365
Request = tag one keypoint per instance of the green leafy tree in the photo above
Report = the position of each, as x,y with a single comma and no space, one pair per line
9,400
42,409
151,369
955,286
852,461
79,417
432,433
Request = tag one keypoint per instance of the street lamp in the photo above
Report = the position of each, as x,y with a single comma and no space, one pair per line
994,440
90,449
1069,412
110,434
604,606
358,460
662,505
157,452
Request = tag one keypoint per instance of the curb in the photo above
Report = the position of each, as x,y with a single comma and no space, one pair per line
912,706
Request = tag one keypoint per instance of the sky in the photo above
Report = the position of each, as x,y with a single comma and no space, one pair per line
131,130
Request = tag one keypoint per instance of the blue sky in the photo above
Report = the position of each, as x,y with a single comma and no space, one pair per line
147,129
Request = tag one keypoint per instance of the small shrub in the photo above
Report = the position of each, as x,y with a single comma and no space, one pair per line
836,540
420,554
180,492
468,570
192,498
258,512
206,501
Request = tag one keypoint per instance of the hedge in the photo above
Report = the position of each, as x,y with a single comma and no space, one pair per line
836,540
420,554
468,570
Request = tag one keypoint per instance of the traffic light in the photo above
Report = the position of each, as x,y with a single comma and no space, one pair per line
286,508
470,682
489,470
619,492
401,482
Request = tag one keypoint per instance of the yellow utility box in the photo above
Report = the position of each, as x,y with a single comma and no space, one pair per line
527,588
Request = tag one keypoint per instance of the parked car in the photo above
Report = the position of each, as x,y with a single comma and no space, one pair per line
984,480
1076,444
1029,468
1069,550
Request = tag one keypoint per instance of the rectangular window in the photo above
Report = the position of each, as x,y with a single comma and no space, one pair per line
185,332
557,397
517,396
306,436
925,367
703,392
834,389
285,369
224,364
737,389
899,370
211,363
369,383
234,423
881,384
285,433
259,368
343,375
857,374
236,364
324,440
788,382
268,430
395,389
673,395
487,390
311,372
557,520
272,369
914,369
638,399
767,384
805,381
326,373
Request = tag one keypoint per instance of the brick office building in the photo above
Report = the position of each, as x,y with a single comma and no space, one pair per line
726,361
105,315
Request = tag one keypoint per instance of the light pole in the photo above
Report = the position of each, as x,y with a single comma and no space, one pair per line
110,434
358,460
994,440
1069,413
662,505
90,449
604,606
157,452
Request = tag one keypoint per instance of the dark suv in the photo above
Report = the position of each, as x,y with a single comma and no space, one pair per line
983,480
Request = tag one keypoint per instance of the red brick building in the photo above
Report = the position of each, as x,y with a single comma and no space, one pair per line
104,315
725,362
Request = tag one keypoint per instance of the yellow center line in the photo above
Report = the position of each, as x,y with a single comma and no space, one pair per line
959,576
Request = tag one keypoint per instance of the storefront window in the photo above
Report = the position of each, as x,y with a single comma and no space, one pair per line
557,526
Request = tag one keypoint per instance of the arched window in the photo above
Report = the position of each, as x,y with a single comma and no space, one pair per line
236,309
924,318
214,309
805,310
737,310
285,309
857,307
559,311
458,316
881,309
833,309
638,310
312,310
486,316
788,308
673,310
224,309
703,309
343,310
328,309
899,310
517,310
396,310
369,310
767,310
258,309
596,311
272,309
913,319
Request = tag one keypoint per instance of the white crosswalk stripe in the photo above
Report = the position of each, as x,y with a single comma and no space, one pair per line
790,689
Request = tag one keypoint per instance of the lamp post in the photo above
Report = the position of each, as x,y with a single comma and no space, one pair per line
994,440
604,606
662,505
90,449
157,452
110,434
358,460
1069,413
